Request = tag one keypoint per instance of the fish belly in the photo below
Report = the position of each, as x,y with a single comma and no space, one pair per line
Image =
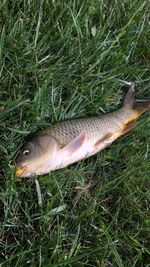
86,150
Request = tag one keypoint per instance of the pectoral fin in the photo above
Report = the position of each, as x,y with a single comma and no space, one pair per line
75,144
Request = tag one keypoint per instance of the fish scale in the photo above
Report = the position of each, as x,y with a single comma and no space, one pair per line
93,127
73,140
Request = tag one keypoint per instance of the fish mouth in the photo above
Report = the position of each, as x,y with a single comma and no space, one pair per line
21,171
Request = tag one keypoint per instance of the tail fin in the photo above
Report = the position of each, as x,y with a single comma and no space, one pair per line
139,106
129,97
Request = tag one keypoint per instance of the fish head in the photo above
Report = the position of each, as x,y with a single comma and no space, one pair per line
36,155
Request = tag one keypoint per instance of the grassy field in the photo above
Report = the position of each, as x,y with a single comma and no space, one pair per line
61,60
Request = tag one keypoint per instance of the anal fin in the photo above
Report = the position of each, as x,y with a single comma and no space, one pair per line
129,126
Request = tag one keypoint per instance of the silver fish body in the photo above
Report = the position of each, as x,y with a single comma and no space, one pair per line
70,141
94,127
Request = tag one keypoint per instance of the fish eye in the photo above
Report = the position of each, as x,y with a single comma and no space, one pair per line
26,152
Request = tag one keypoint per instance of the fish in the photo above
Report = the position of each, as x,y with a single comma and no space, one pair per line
72,140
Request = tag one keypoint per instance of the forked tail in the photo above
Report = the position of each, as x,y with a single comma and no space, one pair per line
136,108
139,106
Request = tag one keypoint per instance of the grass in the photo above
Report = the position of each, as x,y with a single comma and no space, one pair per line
60,60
